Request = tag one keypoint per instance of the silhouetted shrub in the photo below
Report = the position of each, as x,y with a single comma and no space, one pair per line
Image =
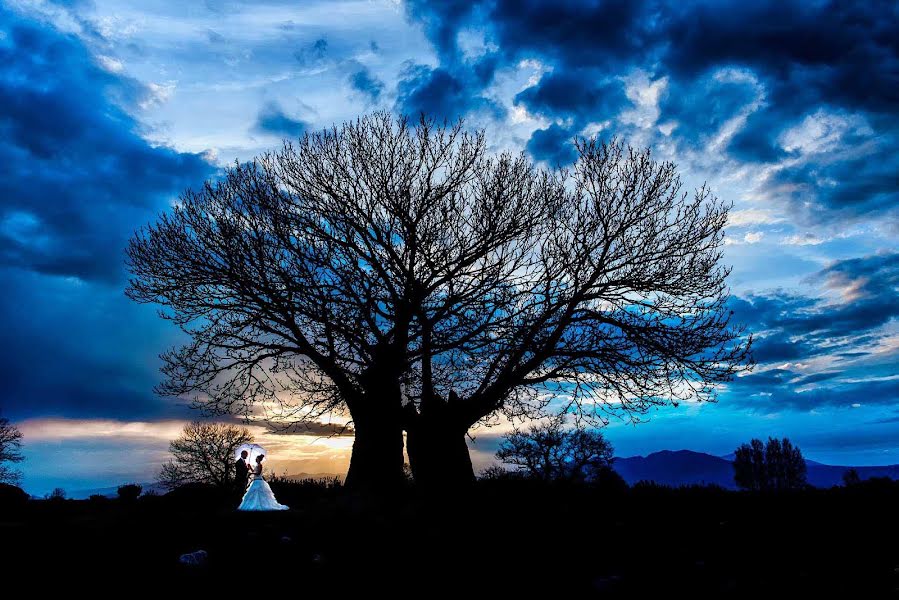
129,492
851,478
498,473
608,480
97,498
298,492
645,485
12,497
58,495
878,486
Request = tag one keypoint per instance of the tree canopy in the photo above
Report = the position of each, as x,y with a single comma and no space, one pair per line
773,466
403,274
550,452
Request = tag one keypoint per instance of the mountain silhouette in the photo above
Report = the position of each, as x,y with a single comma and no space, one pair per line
686,467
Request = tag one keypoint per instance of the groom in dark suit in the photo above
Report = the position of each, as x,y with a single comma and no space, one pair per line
241,474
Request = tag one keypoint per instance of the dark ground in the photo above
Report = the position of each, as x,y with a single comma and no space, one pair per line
500,538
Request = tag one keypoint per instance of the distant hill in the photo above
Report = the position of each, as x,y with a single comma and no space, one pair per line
685,467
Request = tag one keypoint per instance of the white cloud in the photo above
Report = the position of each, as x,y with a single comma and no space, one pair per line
822,131
733,125
644,93
110,64
753,237
752,216
805,239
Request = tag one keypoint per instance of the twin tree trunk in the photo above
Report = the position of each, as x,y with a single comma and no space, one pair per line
438,453
376,463
435,441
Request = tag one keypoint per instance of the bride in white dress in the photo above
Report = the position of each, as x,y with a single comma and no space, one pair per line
259,495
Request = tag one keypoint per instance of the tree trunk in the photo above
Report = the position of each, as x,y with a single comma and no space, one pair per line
376,463
438,455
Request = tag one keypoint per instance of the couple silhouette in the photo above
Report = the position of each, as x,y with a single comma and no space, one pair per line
258,494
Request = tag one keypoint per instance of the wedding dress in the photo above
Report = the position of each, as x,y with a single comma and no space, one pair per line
259,495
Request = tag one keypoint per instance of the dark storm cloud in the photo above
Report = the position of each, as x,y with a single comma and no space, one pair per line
76,350
441,93
567,93
365,82
78,177
441,21
842,53
78,180
572,33
273,120
796,57
553,145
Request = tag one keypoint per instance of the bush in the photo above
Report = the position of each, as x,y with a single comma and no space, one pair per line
299,490
129,492
608,480
851,478
57,495
12,497
499,473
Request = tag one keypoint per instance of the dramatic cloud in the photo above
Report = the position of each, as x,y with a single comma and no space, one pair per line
273,120
365,82
552,145
834,351
741,77
788,108
79,175
442,93
79,179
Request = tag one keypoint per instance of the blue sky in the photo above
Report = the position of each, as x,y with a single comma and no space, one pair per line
109,109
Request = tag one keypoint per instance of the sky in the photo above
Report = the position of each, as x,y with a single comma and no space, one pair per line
110,109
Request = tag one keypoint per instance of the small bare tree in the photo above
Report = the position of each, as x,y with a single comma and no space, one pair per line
10,452
551,452
204,453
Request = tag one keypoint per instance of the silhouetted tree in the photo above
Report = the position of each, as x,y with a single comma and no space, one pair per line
776,465
851,477
750,471
404,275
204,453
129,492
57,495
10,452
551,452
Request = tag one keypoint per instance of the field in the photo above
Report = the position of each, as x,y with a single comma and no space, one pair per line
498,538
